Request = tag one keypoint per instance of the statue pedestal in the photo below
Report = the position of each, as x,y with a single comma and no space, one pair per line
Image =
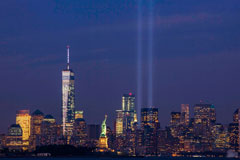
103,143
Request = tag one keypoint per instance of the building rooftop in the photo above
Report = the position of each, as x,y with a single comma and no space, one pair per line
49,116
79,119
15,125
37,113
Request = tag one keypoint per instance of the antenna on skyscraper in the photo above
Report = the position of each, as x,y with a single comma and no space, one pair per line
68,67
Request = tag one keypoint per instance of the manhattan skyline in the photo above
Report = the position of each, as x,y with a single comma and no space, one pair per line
196,56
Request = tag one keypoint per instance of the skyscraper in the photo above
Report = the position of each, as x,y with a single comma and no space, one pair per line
23,118
233,130
78,114
150,126
204,120
119,123
175,118
68,100
149,117
36,121
185,114
48,131
129,112
14,138
79,137
204,113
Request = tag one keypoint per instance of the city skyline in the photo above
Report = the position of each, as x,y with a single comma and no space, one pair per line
196,52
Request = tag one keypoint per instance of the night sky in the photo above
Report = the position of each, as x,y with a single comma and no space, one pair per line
196,46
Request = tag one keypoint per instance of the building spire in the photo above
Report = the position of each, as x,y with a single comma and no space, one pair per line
68,63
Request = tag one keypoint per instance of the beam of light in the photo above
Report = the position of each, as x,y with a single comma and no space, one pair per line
150,54
139,60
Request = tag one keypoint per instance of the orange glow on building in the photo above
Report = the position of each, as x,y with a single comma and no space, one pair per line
23,118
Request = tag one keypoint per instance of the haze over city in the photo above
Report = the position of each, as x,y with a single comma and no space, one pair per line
196,48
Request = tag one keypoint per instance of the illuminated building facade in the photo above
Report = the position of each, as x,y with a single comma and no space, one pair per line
23,118
204,120
14,138
111,138
204,112
233,130
36,121
149,117
78,114
236,116
79,137
48,131
185,114
119,123
175,118
221,138
129,112
150,126
68,100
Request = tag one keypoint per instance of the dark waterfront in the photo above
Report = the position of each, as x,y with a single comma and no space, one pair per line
144,158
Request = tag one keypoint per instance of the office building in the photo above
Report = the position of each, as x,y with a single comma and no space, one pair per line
119,123
185,114
23,118
68,100
49,133
128,111
79,137
93,133
175,118
36,121
78,114
149,117
150,126
14,138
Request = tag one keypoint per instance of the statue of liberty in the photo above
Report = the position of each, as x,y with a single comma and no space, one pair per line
104,127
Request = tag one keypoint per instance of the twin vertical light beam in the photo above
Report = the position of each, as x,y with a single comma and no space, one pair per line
139,59
140,55
150,54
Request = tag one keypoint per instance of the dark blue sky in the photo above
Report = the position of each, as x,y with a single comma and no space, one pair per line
196,55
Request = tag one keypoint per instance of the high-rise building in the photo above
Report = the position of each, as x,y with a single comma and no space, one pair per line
119,123
185,114
150,126
129,112
236,116
37,118
204,112
221,138
23,118
79,137
149,117
204,120
175,118
78,114
14,138
36,121
234,133
93,133
48,131
68,99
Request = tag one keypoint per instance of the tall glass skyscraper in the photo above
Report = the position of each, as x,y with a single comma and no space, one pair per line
68,100
129,112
